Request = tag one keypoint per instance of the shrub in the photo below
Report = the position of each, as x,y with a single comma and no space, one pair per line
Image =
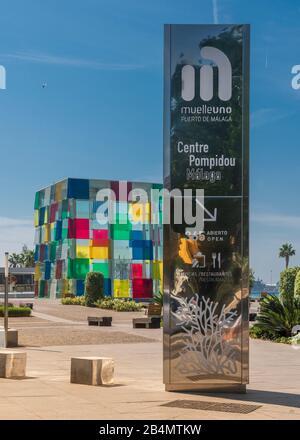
295,340
277,316
127,306
106,303
256,332
287,282
297,285
94,288
75,301
119,305
16,312
159,299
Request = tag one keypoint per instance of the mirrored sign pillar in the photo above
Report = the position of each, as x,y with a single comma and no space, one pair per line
206,260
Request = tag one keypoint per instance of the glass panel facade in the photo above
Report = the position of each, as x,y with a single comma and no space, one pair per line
70,241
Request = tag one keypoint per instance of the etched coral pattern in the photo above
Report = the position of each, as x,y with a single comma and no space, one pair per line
205,349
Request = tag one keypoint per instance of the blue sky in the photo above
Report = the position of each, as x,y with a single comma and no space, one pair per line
101,112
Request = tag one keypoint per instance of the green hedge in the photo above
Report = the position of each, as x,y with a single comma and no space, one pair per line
74,301
257,333
287,282
16,312
297,285
119,305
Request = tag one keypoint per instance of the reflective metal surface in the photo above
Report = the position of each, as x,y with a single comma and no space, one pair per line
206,273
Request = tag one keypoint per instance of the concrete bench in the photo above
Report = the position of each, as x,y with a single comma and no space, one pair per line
152,320
12,363
104,321
153,310
92,370
149,322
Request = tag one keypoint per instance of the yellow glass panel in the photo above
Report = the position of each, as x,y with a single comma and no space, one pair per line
46,218
36,217
82,252
65,286
99,253
37,272
47,233
157,270
52,231
58,191
121,289
139,212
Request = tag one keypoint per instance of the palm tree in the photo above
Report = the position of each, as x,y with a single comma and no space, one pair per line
23,259
286,251
27,256
15,260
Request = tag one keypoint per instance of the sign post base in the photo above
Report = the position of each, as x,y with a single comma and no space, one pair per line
208,388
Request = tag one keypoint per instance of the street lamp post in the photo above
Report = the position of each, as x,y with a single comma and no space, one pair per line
6,300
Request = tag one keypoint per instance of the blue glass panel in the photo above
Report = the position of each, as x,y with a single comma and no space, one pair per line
79,287
78,189
47,270
58,230
107,286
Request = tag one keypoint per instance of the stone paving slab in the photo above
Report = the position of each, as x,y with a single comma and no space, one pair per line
74,335
80,313
138,391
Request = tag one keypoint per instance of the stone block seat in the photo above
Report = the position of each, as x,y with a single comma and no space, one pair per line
92,370
12,363
12,337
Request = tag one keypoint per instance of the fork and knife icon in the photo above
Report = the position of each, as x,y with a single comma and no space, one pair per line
216,257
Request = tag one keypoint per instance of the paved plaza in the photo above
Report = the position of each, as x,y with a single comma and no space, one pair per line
138,393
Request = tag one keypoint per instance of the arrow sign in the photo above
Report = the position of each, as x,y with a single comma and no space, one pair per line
212,217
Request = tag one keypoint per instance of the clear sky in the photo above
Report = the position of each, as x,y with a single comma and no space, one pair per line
100,114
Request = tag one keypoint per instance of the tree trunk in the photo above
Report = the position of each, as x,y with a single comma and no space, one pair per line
287,258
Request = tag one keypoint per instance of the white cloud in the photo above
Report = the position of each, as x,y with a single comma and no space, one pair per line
265,116
283,221
14,233
34,57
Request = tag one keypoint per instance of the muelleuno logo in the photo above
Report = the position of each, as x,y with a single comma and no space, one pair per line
2,78
223,64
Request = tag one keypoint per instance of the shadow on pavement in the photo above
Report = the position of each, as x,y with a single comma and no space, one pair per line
257,396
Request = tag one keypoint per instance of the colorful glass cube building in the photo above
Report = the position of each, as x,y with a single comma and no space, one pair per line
70,241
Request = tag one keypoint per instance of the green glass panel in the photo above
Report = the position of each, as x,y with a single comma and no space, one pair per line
120,234
78,268
53,251
43,289
37,200
65,209
70,272
101,267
